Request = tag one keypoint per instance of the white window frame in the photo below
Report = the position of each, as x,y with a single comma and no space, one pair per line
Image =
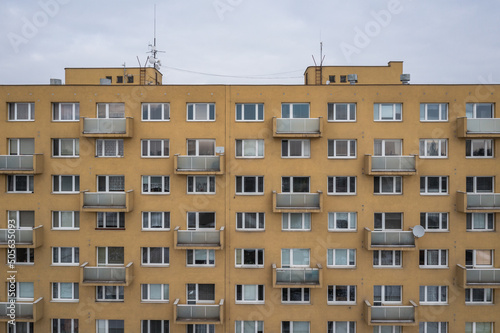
146,221
474,258
305,296
75,256
333,220
209,108
259,290
13,109
146,111
60,323
12,179
440,253
101,153
106,179
197,221
102,218
305,148
350,148
240,180
473,218
394,329
442,327
146,326
195,328
350,294
396,255
332,112
106,110
146,256
349,254
118,292
488,296
18,287
424,112
75,184
56,292
475,187
240,257
473,326
146,293
196,299
291,329
444,219
471,110
487,145
377,112
242,144
193,189
349,179
56,112
383,294
164,188
197,146
18,146
398,145
290,110
397,185
241,327
383,220
424,295
58,154
241,221
146,151
107,255
291,181
291,257
259,111
57,218
426,185
208,254
424,148
305,222
349,325
23,219
27,259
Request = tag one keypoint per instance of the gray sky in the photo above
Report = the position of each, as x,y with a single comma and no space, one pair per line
270,42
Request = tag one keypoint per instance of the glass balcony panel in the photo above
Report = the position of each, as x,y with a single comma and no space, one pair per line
104,125
110,274
198,163
297,275
297,200
491,125
22,310
299,125
483,200
18,162
398,163
393,313
95,199
21,236
198,237
394,238
483,276
188,312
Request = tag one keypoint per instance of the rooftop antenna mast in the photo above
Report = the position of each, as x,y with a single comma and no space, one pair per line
152,58
319,69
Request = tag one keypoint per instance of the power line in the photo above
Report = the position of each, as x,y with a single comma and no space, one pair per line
257,77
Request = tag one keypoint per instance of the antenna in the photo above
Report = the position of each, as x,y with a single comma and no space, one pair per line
153,60
319,69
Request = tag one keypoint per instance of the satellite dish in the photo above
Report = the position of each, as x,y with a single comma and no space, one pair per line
418,231
152,60
327,82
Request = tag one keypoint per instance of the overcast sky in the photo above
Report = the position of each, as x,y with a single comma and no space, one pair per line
251,41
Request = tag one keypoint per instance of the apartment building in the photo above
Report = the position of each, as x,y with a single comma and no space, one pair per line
351,203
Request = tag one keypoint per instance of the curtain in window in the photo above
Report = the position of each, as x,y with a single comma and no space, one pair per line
250,292
377,148
483,257
251,220
392,293
156,219
341,148
116,183
300,256
116,110
250,148
340,257
66,111
110,148
300,327
295,148
26,290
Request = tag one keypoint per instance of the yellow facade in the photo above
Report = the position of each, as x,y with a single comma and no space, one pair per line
373,88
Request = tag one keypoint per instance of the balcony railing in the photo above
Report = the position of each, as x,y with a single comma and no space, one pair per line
479,127
401,315
199,313
106,275
389,240
23,238
107,127
199,165
198,239
296,277
390,165
297,127
24,312
21,164
297,202
107,201
478,202
478,277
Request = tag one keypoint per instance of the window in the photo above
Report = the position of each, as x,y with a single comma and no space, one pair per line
201,147
155,326
20,184
21,111
65,326
155,148
201,184
110,183
343,78
479,148
342,148
66,111
295,148
201,112
20,327
154,292
21,146
249,326
338,221
65,184
109,293
387,294
155,112
295,110
295,327
200,328
23,219
338,258
249,258
479,110
296,221
155,184
249,185
110,110
341,112
250,221
433,259
341,295
250,293
250,148
109,148
119,79
387,329
200,220
110,326
476,327
295,258
155,221
67,256
433,112
200,293
479,295
112,220
387,147
65,220
23,292
480,221
200,257
387,258
295,184
158,256
480,184
295,295
433,327
342,185
249,112
331,78
433,185
341,327
388,221
387,112
130,78
434,221
23,256
64,292
478,258
387,185
433,148
433,295
110,255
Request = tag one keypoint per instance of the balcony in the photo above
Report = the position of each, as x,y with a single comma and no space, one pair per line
24,312
107,127
298,277
198,239
390,240
478,277
478,128
106,275
297,202
199,165
390,165
107,201
21,164
478,202
297,127
401,315
23,238
198,313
